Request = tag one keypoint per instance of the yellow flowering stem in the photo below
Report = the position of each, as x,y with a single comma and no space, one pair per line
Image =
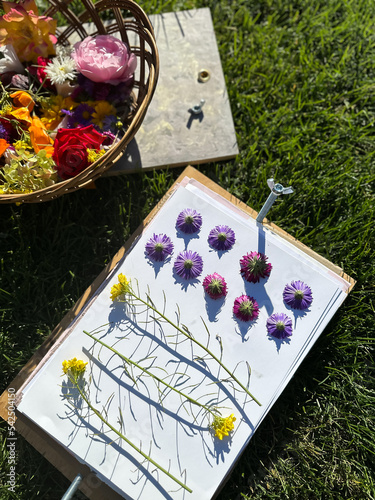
99,415
128,290
155,377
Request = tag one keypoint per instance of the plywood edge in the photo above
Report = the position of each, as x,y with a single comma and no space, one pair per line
66,463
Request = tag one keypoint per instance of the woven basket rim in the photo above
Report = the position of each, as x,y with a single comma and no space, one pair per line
94,170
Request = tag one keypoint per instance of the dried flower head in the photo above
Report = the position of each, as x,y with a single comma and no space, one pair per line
297,295
121,288
254,266
221,238
215,286
279,325
159,247
74,367
223,426
246,308
188,264
189,221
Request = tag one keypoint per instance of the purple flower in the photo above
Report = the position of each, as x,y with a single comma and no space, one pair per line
159,247
297,295
4,133
279,325
254,266
246,308
82,115
215,286
189,221
188,264
221,238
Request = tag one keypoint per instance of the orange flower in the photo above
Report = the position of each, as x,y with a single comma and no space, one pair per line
31,35
3,146
22,114
22,99
39,137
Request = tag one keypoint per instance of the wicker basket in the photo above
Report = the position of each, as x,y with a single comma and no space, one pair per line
127,20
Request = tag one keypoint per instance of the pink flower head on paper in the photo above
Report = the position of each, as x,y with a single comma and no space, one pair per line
104,59
254,266
215,286
246,308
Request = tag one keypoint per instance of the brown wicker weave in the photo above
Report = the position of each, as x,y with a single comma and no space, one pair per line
127,20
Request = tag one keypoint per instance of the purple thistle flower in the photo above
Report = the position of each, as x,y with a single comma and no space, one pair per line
189,221
188,264
159,247
254,266
279,325
297,295
215,286
221,238
246,308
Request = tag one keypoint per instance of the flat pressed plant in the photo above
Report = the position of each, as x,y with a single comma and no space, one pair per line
75,369
123,288
221,425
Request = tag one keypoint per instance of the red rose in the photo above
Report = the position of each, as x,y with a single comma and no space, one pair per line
70,149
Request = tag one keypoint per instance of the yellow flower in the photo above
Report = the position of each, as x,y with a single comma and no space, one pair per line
30,35
102,110
21,145
122,287
6,110
51,111
75,367
93,155
223,426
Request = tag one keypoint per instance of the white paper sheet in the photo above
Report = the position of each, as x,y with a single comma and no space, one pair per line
176,436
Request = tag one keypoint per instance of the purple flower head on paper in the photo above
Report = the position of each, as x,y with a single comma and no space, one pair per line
246,308
215,286
188,264
279,325
189,221
159,247
297,295
254,266
221,238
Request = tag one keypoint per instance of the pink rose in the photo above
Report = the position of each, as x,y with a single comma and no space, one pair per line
104,59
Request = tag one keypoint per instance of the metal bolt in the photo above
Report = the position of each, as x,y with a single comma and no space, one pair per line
197,109
276,190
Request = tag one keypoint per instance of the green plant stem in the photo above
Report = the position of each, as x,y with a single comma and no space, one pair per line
196,342
98,414
155,377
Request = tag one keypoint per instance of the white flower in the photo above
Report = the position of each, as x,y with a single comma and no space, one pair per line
9,60
61,69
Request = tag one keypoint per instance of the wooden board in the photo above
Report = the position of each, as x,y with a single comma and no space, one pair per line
59,457
170,135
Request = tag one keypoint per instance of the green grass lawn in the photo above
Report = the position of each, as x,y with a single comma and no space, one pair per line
301,81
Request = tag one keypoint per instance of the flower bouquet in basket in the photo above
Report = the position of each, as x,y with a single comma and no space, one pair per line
62,107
